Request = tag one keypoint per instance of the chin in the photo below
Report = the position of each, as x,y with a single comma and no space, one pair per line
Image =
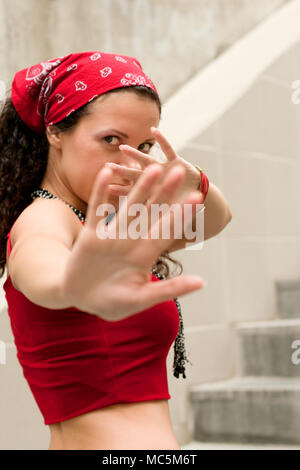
114,200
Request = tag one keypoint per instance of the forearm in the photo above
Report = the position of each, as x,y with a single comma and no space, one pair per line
216,216
217,213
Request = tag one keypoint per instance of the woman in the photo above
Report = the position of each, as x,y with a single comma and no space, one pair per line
92,326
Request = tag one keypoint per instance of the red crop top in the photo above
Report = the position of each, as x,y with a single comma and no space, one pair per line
75,362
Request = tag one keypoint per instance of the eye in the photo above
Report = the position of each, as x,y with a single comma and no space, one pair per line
115,137
109,136
146,143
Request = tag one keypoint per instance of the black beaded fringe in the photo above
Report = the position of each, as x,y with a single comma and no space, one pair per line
179,347
42,192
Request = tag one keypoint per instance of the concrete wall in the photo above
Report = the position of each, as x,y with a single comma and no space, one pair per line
173,39
252,154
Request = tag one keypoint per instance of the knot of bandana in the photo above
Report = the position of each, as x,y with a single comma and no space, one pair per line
46,93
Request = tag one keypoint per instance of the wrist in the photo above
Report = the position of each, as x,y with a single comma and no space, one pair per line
204,182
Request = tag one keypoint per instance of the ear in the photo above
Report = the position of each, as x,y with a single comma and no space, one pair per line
54,136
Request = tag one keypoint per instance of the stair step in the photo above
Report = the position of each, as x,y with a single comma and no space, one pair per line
288,298
246,410
265,348
197,445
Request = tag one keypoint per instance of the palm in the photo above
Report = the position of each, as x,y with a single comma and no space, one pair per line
111,277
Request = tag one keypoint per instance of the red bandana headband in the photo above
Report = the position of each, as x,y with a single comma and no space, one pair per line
48,92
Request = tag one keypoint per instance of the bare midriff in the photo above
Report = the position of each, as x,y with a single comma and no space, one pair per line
143,425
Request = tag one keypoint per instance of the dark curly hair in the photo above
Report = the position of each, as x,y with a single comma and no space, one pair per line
23,162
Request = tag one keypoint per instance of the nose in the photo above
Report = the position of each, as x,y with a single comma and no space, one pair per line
128,162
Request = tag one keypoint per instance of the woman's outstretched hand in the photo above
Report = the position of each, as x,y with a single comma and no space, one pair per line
111,277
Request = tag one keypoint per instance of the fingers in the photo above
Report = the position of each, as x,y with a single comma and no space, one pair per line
170,225
99,196
168,188
124,173
164,194
138,194
164,144
141,157
150,220
119,190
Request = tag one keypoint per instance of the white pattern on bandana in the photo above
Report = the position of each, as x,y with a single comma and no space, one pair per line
95,56
105,72
133,79
120,59
80,86
72,67
44,95
59,97
38,72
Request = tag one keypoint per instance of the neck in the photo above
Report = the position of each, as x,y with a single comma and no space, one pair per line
63,193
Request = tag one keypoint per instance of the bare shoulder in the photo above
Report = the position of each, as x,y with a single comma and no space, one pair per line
51,217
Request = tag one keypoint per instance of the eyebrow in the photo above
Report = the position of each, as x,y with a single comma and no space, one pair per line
119,132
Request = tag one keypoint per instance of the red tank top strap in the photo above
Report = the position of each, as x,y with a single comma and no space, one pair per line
8,237
9,245
9,242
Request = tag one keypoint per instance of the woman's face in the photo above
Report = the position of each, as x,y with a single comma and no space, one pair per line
79,154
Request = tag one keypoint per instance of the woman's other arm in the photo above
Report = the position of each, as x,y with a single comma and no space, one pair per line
217,215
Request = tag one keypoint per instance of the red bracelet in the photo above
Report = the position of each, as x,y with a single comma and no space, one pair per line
204,182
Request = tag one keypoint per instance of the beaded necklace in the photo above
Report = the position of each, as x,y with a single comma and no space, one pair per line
179,348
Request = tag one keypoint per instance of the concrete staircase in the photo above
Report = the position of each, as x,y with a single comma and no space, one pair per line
260,407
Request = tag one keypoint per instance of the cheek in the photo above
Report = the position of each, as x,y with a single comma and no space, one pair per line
80,169
81,165
85,177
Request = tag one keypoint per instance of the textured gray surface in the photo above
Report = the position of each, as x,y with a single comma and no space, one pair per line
236,446
173,39
269,348
288,298
251,409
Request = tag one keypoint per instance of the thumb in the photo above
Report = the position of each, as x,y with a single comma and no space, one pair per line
167,289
